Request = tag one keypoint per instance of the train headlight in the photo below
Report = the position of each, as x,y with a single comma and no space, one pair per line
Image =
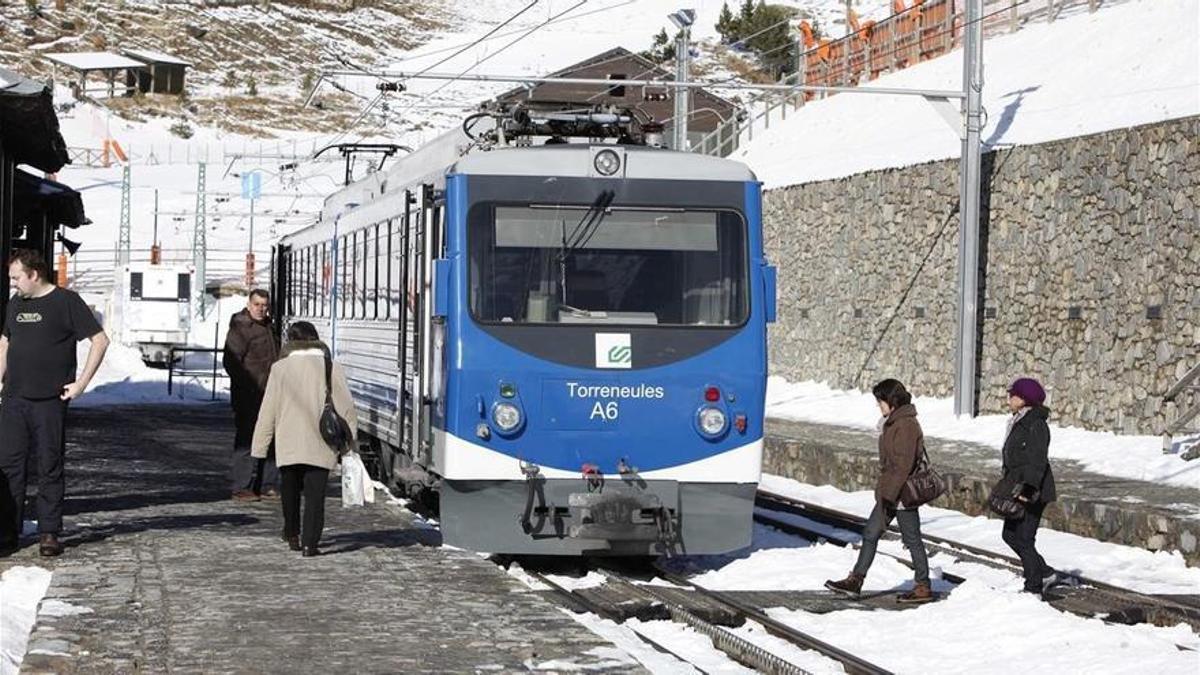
712,421
607,162
506,416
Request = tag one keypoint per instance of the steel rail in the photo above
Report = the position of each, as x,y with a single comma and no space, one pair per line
586,604
853,664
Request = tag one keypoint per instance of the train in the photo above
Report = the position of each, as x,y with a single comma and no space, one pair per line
554,329
156,309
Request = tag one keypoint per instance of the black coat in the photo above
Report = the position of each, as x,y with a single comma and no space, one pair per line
1027,450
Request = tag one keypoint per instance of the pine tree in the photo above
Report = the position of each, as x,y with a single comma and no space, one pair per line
745,15
727,25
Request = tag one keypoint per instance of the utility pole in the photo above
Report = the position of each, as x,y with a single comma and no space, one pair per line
200,241
123,232
683,20
155,251
968,230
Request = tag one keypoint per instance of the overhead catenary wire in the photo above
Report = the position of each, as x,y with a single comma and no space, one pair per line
430,67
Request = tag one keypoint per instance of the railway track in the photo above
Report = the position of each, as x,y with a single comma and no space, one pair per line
1088,597
735,646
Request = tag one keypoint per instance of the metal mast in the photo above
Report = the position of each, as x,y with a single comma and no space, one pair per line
968,231
683,20
200,241
123,232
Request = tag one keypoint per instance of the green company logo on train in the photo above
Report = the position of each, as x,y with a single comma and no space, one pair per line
613,350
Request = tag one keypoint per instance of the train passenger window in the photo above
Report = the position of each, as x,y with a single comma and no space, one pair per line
389,262
344,281
623,266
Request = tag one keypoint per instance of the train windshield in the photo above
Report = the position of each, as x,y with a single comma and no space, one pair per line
600,264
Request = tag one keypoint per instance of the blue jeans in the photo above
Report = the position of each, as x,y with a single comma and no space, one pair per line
910,534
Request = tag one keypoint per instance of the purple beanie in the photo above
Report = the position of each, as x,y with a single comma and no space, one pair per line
1029,390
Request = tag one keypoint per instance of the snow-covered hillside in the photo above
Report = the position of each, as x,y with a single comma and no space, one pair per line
1128,64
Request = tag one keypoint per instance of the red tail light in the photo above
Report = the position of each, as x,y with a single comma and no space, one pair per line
712,394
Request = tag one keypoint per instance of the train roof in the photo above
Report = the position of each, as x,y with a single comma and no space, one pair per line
453,153
640,162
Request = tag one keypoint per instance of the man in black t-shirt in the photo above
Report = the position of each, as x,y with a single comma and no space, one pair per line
37,376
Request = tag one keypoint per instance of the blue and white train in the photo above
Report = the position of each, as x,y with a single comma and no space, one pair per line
565,343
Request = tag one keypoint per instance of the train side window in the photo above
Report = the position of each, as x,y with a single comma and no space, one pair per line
365,276
375,285
343,266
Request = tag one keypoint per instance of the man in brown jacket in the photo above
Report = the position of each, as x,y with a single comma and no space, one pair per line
250,349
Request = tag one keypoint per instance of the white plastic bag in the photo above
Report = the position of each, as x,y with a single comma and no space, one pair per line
353,476
368,486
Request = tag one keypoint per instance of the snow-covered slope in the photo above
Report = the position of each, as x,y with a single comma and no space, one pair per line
1133,63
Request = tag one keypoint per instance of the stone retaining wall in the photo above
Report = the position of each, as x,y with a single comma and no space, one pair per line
1091,281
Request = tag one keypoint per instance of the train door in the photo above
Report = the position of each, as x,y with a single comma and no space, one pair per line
428,249
281,280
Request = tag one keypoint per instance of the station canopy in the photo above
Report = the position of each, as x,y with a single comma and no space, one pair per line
29,131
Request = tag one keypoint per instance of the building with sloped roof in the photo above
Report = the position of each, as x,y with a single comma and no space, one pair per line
706,110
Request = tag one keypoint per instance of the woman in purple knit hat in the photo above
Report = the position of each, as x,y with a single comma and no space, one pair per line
1027,463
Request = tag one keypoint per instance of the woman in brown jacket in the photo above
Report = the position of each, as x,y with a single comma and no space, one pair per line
289,416
900,445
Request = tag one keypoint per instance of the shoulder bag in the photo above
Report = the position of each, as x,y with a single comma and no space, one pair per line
334,430
924,484
1003,500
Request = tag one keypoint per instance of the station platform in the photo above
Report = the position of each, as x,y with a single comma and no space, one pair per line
164,573
1136,513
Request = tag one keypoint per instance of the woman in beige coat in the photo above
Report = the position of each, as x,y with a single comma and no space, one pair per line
289,416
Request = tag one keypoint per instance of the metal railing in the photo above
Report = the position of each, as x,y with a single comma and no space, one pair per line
1188,384
93,271
214,375
917,34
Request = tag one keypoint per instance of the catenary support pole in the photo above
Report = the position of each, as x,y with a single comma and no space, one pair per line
968,232
682,58
200,241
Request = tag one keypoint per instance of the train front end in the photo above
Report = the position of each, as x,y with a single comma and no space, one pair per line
603,315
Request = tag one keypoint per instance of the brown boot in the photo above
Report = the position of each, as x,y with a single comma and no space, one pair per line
245,496
851,585
920,593
50,546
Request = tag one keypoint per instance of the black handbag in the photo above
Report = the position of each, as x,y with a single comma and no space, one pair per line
924,484
335,431
1003,500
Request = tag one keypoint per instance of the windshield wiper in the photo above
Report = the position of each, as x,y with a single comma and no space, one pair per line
582,233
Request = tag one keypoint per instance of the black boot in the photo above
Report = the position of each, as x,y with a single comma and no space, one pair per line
50,546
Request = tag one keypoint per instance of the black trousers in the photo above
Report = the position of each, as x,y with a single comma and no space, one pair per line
31,428
910,534
246,472
311,481
1019,534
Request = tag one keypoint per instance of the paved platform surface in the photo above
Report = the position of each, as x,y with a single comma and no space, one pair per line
1137,513
163,573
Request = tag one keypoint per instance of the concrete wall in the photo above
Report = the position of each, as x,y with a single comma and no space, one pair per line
1091,281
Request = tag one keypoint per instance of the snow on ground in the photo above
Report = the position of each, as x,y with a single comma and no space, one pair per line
1125,65
123,379
977,629
1134,457
1127,566
21,589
